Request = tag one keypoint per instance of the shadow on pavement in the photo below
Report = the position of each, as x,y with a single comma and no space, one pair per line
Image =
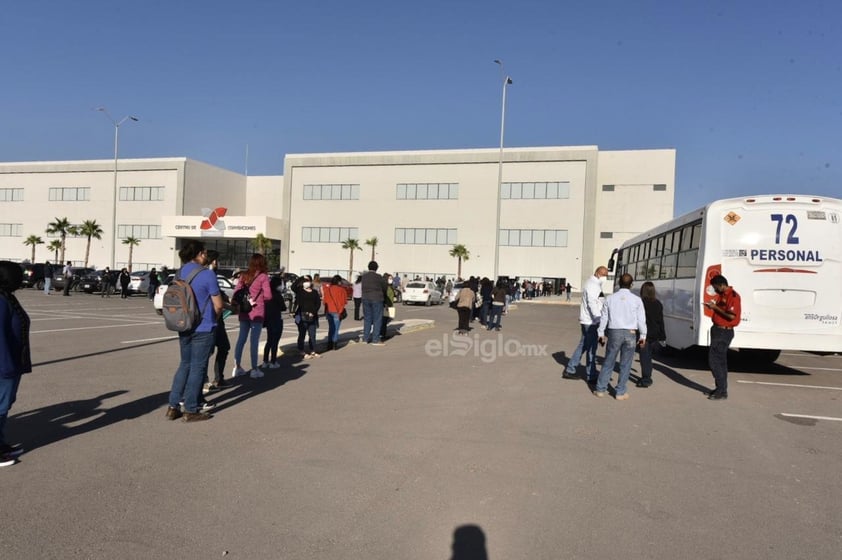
469,543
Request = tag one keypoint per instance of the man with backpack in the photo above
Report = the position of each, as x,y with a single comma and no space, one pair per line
192,306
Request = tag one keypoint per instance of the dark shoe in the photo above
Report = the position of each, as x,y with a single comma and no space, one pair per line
643,384
173,413
7,460
717,396
196,416
566,375
14,450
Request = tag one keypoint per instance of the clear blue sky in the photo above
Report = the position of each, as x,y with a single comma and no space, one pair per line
748,92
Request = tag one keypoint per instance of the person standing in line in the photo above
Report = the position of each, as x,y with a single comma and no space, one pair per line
335,298
374,293
655,332
125,280
154,282
624,321
221,342
105,283
590,311
68,278
568,289
396,286
195,345
498,302
465,304
48,278
15,358
256,282
307,304
388,307
486,288
726,311
358,297
274,322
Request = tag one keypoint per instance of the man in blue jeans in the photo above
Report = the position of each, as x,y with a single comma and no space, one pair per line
196,345
624,320
590,311
374,294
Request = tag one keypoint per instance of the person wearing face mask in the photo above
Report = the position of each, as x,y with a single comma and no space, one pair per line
590,312
307,304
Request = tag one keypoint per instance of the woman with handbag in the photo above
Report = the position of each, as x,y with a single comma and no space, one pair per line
335,298
255,282
307,304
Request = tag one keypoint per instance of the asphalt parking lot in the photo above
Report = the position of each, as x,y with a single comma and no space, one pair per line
384,452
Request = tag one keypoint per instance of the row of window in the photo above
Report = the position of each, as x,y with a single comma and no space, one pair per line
141,193
139,231
11,230
69,193
328,234
533,238
670,255
540,190
11,195
332,192
657,187
425,236
442,191
75,194
427,191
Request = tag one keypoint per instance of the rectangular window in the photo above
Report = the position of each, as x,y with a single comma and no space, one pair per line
11,230
540,190
607,188
11,195
552,190
306,234
421,192
506,191
427,191
659,187
138,231
69,194
687,264
454,191
517,190
425,236
606,235
339,191
141,193
668,266
528,190
410,192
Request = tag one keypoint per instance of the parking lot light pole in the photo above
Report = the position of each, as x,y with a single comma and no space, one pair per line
116,124
507,81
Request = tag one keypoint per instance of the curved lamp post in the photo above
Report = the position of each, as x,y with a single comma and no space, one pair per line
507,81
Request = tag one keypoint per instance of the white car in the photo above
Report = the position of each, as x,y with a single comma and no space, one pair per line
422,292
139,282
225,286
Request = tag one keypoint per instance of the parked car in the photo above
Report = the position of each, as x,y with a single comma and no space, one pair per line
33,275
139,282
422,292
92,282
225,286
78,273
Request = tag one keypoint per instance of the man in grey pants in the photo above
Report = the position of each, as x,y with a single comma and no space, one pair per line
374,294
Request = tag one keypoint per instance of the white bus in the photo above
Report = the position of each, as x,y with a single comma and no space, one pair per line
781,253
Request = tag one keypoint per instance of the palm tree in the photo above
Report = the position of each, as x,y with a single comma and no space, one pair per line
62,227
460,252
90,229
33,240
55,246
371,243
352,245
131,242
262,244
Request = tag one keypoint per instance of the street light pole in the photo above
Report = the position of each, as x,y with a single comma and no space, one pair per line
116,124
507,81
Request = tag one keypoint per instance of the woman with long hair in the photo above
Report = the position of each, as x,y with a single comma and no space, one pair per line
255,281
307,303
465,304
655,332
335,298
14,351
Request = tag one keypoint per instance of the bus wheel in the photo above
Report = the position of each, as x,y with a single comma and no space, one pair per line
759,355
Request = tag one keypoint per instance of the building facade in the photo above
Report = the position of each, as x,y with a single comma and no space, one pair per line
562,209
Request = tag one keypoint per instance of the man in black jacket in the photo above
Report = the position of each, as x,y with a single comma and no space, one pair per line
374,294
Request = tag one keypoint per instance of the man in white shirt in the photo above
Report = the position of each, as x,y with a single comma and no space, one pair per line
590,312
624,322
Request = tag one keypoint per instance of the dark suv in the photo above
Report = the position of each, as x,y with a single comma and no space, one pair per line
92,281
33,275
78,273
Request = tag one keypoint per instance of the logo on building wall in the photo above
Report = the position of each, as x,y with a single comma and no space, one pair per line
212,223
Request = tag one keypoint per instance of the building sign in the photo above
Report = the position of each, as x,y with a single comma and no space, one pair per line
217,223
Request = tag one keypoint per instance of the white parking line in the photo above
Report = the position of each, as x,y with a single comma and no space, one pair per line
90,328
790,385
815,368
811,417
